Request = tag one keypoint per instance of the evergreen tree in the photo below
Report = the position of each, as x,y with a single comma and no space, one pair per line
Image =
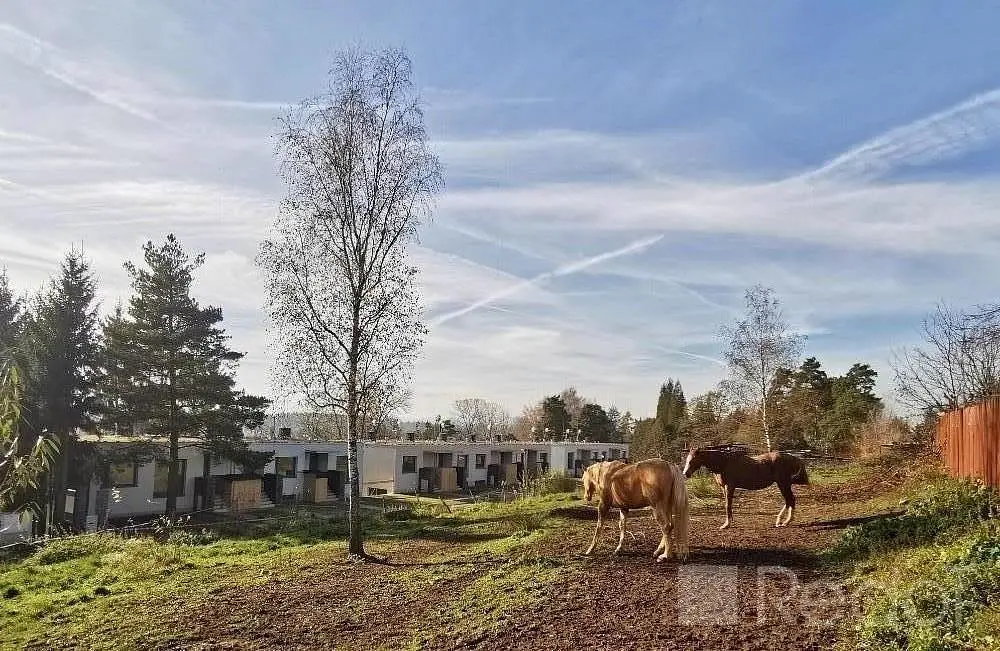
853,402
706,414
671,410
175,356
11,319
594,423
555,418
615,420
62,351
626,427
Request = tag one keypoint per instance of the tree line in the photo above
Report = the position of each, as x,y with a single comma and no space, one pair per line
156,372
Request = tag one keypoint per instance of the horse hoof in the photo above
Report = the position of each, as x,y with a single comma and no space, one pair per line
724,527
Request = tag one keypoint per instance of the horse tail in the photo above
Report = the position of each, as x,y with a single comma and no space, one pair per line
682,515
800,476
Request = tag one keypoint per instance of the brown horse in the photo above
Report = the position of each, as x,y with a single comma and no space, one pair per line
734,470
654,483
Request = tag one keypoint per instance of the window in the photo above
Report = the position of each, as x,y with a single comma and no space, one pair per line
480,461
124,475
342,463
616,453
409,465
543,457
161,473
285,466
569,460
463,461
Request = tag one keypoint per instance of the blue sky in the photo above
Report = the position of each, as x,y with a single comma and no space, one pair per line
617,174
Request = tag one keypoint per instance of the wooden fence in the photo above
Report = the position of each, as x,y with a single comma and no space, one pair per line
969,440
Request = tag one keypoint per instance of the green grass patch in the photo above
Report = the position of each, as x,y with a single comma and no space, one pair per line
77,590
944,507
935,597
928,579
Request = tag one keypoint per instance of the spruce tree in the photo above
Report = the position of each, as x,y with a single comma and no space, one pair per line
61,348
11,319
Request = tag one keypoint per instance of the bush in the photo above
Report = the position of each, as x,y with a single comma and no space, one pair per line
950,605
60,550
947,506
192,537
550,483
703,486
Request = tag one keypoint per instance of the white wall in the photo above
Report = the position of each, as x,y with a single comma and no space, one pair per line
138,500
379,468
15,527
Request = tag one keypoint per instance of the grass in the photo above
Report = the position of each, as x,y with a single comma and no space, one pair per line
75,590
928,579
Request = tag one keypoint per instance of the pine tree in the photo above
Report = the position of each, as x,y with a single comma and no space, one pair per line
174,358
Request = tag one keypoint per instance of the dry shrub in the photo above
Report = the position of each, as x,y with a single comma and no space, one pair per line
881,429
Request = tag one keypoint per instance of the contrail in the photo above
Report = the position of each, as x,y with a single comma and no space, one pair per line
564,270
674,351
33,51
946,134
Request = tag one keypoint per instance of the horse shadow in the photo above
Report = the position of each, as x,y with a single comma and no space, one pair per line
843,523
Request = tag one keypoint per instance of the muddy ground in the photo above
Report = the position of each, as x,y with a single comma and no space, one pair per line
750,587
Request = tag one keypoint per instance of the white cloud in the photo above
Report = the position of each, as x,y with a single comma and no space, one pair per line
111,154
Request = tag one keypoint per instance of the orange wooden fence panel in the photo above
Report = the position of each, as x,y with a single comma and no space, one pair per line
969,440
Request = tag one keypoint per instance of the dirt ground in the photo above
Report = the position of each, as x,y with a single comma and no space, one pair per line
749,587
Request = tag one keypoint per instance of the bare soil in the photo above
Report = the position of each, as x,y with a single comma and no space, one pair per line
750,587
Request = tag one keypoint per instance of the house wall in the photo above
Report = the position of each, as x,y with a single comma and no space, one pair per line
15,527
406,482
379,468
138,500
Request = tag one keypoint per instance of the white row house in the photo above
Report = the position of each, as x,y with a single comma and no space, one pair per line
316,471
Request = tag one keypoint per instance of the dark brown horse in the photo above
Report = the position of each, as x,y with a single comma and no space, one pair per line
734,470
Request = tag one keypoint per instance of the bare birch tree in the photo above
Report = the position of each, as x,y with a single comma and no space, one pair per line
470,416
340,290
757,346
497,422
958,364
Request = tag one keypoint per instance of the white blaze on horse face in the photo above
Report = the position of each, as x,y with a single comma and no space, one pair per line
687,463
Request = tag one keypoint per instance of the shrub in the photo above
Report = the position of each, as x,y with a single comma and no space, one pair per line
60,550
192,537
703,486
550,483
945,506
950,605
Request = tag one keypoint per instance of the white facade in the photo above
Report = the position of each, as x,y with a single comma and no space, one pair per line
15,527
385,467
134,488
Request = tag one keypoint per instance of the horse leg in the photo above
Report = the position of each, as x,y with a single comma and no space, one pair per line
730,490
786,492
601,512
664,545
668,532
777,521
623,514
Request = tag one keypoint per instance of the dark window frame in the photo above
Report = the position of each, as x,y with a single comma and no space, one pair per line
480,461
413,464
181,477
294,470
135,475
